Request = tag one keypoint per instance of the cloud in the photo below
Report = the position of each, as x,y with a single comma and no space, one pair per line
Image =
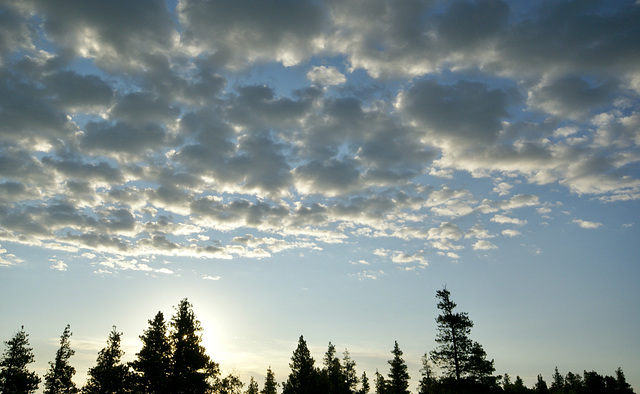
137,131
58,265
369,275
326,76
406,258
483,245
510,232
502,219
250,31
465,113
587,224
209,277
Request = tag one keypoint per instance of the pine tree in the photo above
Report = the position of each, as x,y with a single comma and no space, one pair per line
621,382
153,364
558,382
15,378
456,353
541,386
58,378
349,372
252,388
230,384
398,376
427,382
303,378
333,378
364,384
192,370
109,376
381,384
270,384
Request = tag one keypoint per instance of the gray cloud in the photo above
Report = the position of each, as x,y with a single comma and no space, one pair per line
252,30
466,113
127,129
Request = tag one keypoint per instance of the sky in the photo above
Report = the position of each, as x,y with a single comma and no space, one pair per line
321,168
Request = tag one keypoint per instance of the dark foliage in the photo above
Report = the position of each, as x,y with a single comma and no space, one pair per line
110,375
15,378
172,360
153,364
58,379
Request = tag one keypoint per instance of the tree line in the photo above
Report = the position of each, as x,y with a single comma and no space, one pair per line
172,360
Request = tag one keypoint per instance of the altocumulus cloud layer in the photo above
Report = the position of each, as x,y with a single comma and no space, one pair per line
133,129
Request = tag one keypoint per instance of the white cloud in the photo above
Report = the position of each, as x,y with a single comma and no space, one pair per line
587,224
326,76
58,265
406,258
210,277
510,232
370,275
502,219
483,245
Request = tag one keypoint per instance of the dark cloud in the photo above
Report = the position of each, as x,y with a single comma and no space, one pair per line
466,112
78,92
575,97
115,33
142,108
466,23
121,137
575,35
253,30
331,177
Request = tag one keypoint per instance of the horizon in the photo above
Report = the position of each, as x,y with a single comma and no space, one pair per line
321,168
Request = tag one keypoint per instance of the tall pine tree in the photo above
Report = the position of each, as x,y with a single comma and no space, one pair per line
364,384
58,378
303,378
349,372
270,383
398,382
153,364
252,388
456,353
381,383
15,378
333,378
110,375
192,370
427,382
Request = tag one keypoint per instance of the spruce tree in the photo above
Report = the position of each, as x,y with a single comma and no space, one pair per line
303,378
110,375
58,378
270,384
380,384
15,378
427,381
252,388
364,384
621,382
558,382
349,372
230,384
541,386
192,369
456,353
153,363
333,378
398,376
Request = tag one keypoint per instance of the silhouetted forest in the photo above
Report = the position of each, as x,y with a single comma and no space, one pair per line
172,360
